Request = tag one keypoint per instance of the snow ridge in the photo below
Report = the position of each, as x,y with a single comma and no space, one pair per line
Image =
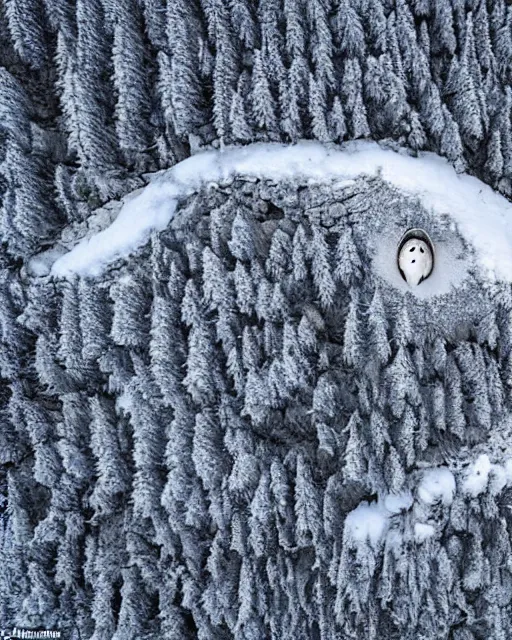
483,217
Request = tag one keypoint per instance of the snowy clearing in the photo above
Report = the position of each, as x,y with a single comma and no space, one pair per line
483,216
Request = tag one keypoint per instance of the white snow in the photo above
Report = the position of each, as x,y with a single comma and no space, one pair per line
477,476
367,522
397,502
498,479
41,264
483,216
423,531
437,485
508,470
124,401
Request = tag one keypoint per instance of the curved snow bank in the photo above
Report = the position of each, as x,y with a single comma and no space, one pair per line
483,216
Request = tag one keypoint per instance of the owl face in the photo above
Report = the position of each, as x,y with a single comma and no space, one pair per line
415,261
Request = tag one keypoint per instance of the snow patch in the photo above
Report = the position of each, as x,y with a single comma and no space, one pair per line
398,502
508,470
477,476
498,479
367,522
40,265
483,216
437,485
124,401
423,532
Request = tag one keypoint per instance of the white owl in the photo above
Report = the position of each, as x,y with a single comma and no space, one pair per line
415,256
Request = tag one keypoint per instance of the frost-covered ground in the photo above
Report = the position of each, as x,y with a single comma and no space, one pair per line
483,217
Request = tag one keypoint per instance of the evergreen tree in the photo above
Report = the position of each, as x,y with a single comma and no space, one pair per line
336,122
416,138
354,105
94,319
135,606
292,104
307,505
130,324
133,106
403,386
111,470
355,467
495,162
96,143
451,144
238,122
15,110
243,22
378,326
29,218
263,106
442,34
155,18
320,42
349,31
295,29
351,336
432,112
148,444
375,26
321,268
260,520
27,22
455,417
317,110
70,349
348,263
181,72
225,68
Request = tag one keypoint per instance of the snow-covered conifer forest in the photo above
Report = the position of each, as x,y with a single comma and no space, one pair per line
224,414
